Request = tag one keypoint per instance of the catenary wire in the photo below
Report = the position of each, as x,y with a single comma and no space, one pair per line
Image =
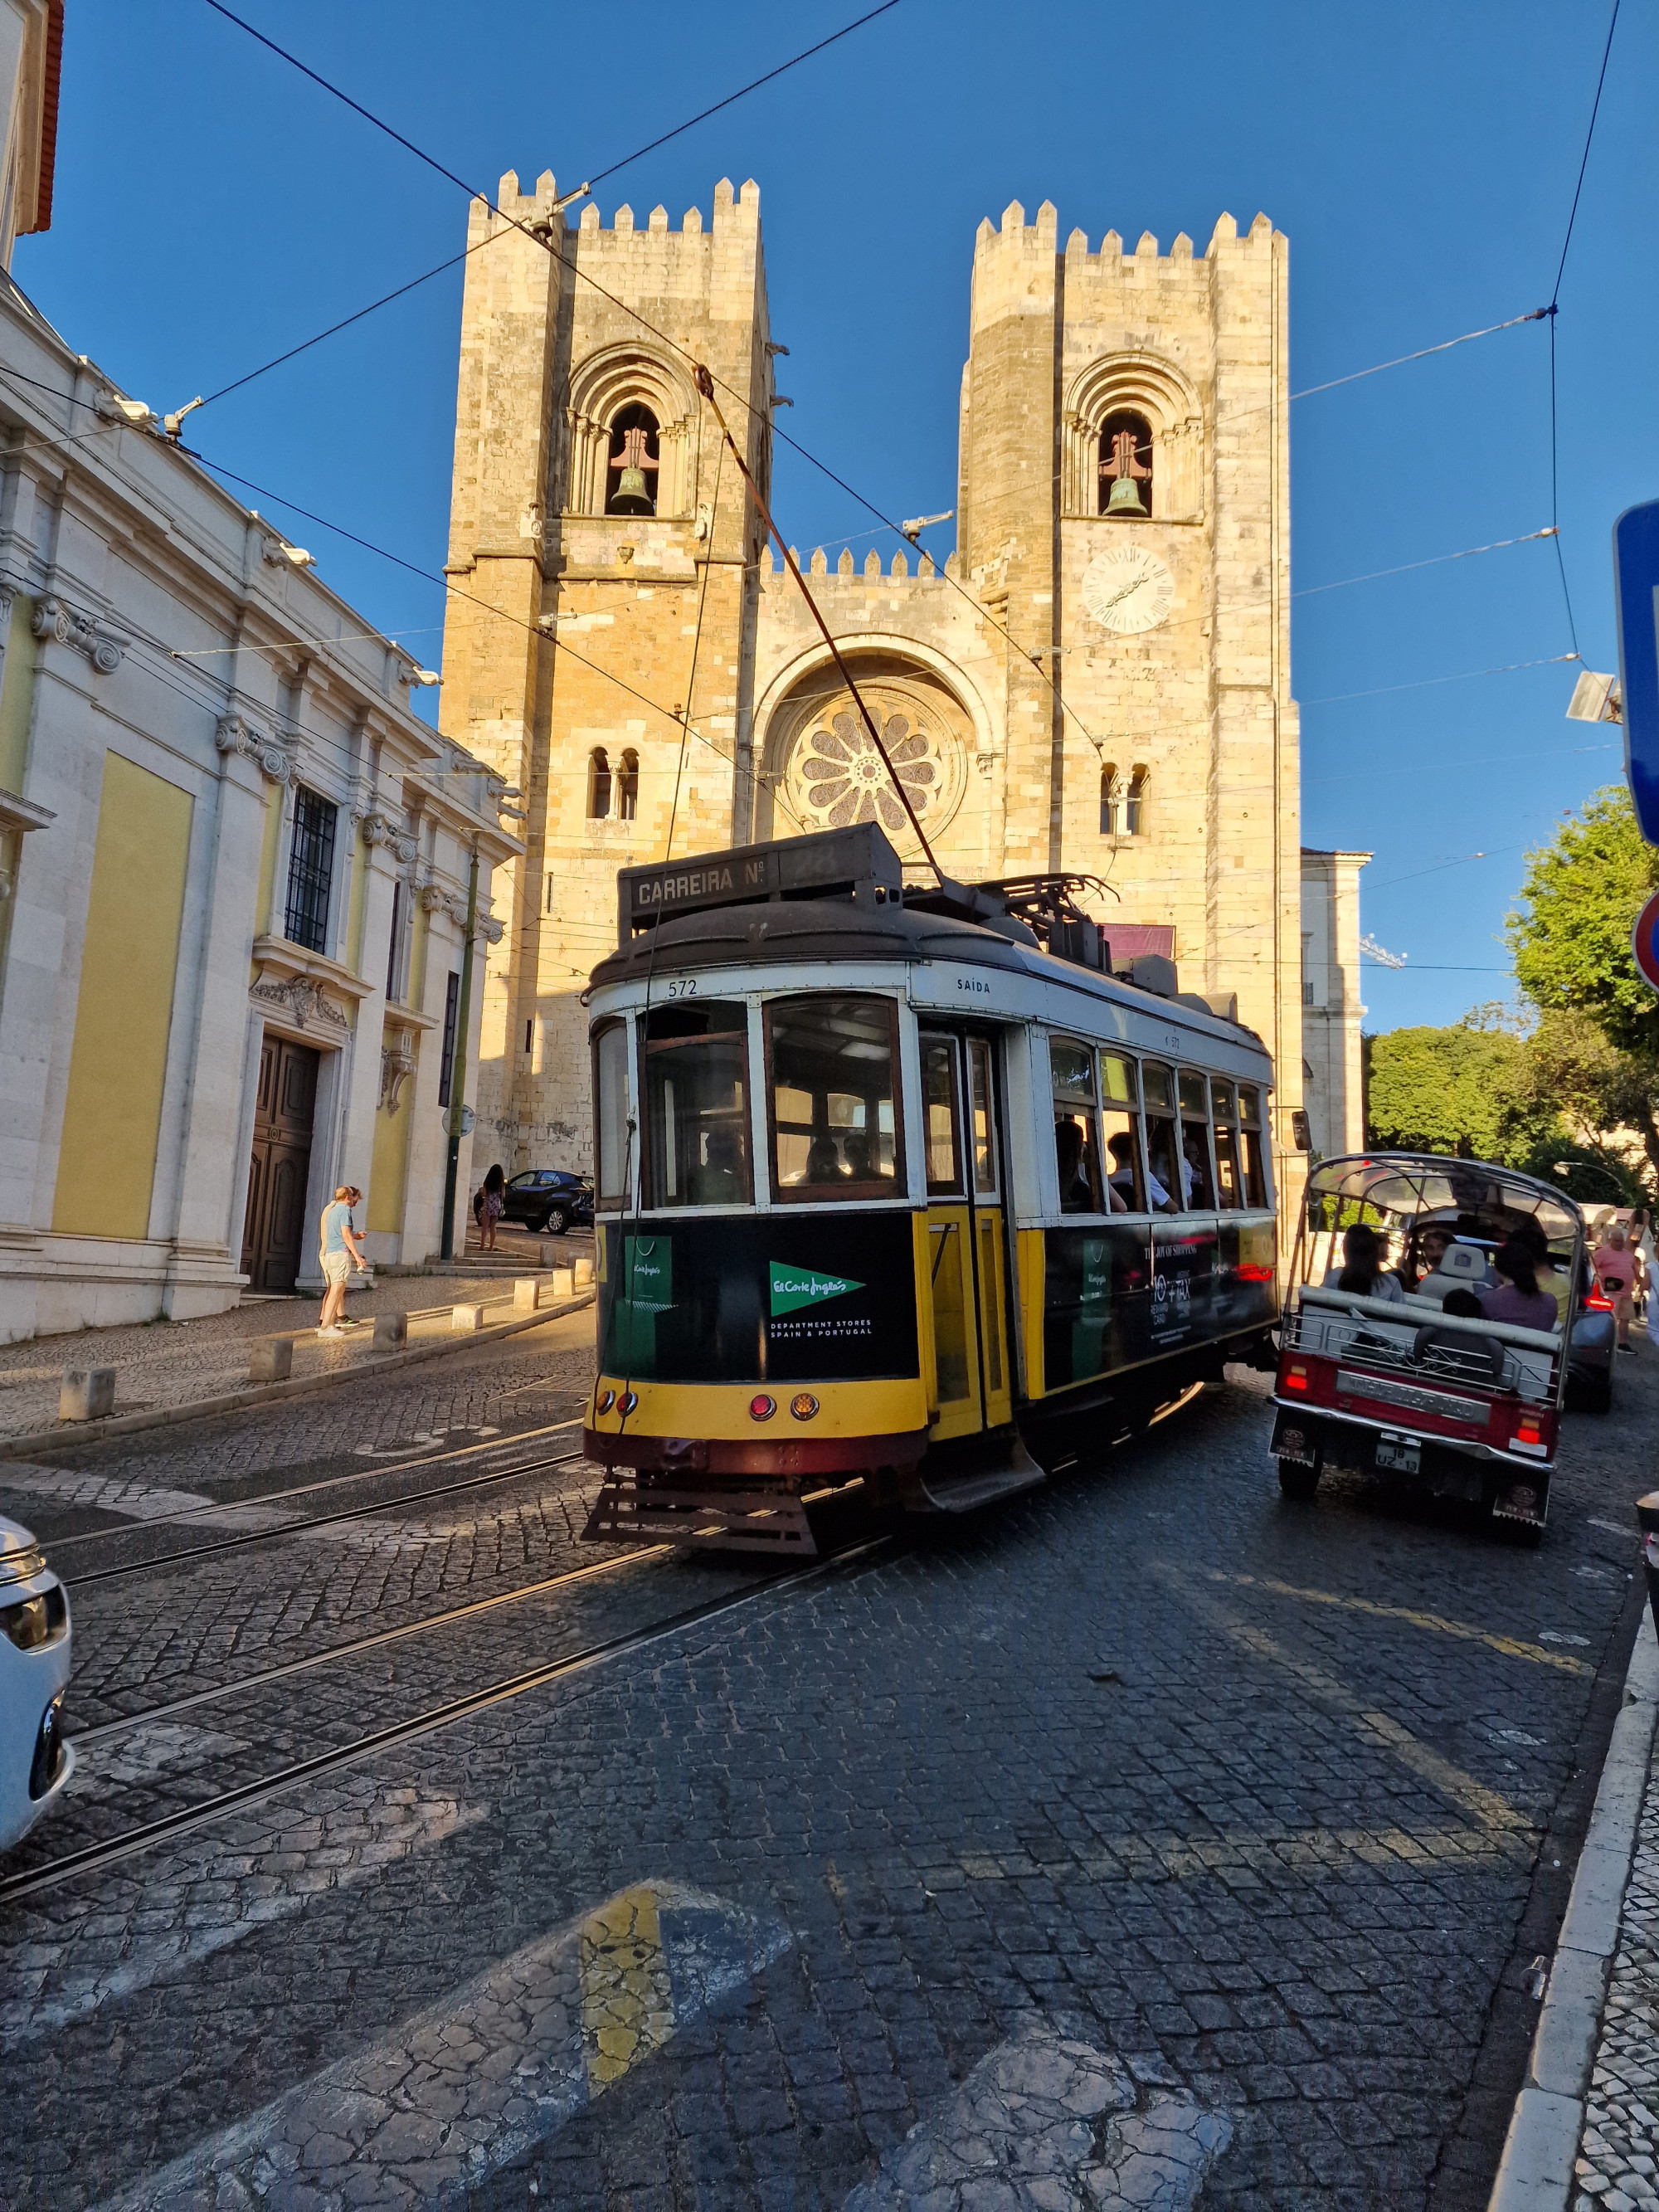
1427,683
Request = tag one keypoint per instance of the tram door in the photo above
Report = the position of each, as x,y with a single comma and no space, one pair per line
966,1249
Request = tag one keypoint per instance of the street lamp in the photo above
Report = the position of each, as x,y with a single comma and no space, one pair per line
1565,1168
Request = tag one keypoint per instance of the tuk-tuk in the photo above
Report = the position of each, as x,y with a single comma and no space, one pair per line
1410,1378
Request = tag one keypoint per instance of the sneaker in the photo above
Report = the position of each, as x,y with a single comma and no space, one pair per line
334,1329
1631,1348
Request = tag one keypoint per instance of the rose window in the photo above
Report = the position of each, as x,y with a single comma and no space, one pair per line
843,778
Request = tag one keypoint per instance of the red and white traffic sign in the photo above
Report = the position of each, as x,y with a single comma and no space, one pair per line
1645,941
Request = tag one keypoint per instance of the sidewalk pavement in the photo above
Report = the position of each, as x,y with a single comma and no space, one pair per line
1585,2129
161,1364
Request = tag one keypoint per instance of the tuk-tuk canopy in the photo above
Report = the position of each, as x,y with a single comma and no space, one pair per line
1475,1198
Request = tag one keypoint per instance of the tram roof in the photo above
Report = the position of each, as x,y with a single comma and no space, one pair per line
838,930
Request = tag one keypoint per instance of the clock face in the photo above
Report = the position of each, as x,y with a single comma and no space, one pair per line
1128,589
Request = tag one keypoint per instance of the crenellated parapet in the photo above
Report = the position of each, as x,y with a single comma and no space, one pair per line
846,570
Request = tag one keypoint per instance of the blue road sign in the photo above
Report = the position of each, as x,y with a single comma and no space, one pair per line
1635,594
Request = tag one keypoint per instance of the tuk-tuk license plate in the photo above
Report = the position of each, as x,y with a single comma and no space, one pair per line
1399,1454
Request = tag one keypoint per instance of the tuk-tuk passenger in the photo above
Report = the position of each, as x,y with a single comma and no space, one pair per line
1517,1297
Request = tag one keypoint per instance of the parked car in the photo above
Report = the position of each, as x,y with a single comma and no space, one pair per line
549,1199
35,1762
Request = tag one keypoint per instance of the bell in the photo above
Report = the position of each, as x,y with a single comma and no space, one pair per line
1125,500
631,496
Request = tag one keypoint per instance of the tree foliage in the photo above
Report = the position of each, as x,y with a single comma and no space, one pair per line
1571,934
1467,1090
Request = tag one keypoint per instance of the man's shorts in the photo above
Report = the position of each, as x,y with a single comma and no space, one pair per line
336,1266
1624,1307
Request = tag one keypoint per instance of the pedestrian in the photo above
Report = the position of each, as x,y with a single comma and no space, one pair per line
495,1186
340,1252
1641,1235
1615,1270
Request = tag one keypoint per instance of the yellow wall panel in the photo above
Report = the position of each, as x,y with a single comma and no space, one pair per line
388,1174
118,1060
17,696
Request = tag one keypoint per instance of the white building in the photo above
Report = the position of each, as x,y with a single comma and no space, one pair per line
1333,1071
235,867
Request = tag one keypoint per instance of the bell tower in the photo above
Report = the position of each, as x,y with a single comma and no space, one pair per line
600,542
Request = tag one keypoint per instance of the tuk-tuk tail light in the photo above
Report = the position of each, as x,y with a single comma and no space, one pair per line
1296,1375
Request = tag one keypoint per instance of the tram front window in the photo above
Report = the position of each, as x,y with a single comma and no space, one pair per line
1223,1108
834,1133
1165,1183
697,1089
1121,1126
1198,1191
610,1131
1250,1114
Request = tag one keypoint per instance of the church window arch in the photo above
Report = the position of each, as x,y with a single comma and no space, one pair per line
599,784
635,461
627,786
1134,803
1150,397
1109,800
1125,465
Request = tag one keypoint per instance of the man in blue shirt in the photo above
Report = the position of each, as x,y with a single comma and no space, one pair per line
340,1254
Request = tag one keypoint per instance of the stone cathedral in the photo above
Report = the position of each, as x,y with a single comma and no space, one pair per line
1097,681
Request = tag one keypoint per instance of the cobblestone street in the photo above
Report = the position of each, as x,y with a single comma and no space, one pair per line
1147,1840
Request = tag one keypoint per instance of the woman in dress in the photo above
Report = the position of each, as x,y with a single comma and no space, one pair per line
495,1185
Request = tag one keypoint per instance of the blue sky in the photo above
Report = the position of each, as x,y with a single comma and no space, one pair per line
213,208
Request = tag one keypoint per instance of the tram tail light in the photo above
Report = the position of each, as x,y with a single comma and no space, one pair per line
628,1403
761,1407
1252,1271
803,1406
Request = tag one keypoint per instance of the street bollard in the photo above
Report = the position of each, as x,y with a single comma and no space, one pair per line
87,1394
1646,1513
466,1320
526,1294
584,1273
552,1252
271,1360
392,1328
564,1282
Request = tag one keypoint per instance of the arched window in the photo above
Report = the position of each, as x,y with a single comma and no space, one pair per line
1125,465
598,785
1108,801
631,485
627,786
1134,807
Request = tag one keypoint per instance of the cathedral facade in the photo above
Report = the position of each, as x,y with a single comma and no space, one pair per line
1097,682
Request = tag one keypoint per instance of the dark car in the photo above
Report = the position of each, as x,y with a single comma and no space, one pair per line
549,1199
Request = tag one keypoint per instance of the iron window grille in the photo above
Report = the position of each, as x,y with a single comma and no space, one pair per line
311,871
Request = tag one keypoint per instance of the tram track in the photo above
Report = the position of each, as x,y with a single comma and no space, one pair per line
126,1723
92,1857
324,1520
210,1506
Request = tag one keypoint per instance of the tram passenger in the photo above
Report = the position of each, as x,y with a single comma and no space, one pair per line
823,1161
1122,1179
1075,1196
1194,1172
856,1149
719,1180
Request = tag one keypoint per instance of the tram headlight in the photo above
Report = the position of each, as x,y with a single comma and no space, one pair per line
761,1407
803,1406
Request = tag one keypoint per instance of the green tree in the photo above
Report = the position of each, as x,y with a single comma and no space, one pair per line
1570,933
1598,1039
1470,1091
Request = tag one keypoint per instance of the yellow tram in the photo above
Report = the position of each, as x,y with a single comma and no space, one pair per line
891,1185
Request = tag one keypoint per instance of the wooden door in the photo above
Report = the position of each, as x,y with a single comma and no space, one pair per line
275,1231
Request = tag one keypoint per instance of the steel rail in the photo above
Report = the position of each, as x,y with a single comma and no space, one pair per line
91,1858
128,1722
56,1544
324,1520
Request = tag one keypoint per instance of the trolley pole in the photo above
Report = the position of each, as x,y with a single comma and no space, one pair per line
457,1065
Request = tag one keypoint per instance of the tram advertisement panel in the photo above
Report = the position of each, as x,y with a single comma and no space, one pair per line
746,1299
1116,1296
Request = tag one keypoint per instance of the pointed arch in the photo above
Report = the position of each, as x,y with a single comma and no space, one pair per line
602,387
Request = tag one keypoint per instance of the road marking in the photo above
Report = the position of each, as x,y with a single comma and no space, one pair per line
469,2085
1512,1647
1050,2122
215,1894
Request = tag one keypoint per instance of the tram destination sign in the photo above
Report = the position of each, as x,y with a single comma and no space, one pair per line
859,862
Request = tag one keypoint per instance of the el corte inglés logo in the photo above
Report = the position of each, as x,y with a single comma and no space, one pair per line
795,1287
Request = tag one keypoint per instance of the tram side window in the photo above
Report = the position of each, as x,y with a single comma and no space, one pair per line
1223,1109
1076,1144
1198,1184
1120,1096
1250,1141
983,1133
696,1090
835,1134
610,1134
1163,1151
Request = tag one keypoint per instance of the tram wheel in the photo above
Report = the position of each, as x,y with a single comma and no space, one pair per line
1298,1481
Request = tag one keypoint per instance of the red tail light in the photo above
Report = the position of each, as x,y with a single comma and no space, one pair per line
1250,1271
1295,1376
